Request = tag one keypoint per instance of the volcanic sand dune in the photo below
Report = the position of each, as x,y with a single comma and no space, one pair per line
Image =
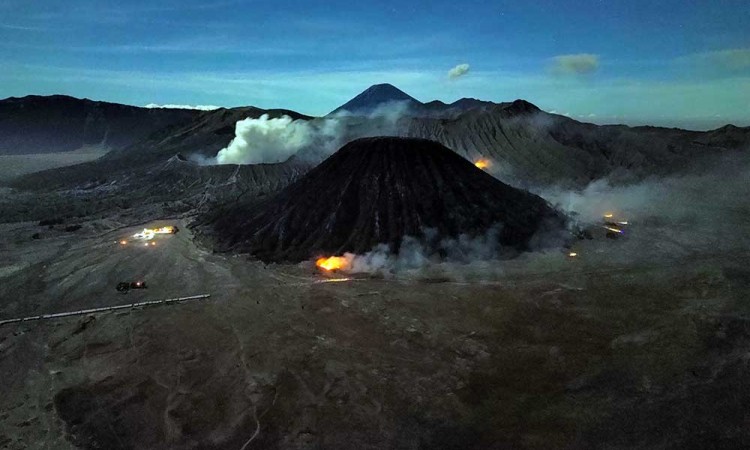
378,191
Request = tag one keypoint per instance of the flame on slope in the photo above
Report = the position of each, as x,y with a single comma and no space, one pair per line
483,163
332,263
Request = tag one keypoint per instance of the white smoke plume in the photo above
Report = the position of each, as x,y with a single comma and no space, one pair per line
273,140
267,140
170,106
458,71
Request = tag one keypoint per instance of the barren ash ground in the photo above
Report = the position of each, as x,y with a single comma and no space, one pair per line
636,342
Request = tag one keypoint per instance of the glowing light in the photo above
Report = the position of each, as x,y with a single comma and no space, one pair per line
624,222
572,254
145,234
608,215
149,233
332,263
616,230
483,163
123,242
153,243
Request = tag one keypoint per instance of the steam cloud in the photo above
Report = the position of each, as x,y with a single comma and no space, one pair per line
267,140
273,140
458,71
578,64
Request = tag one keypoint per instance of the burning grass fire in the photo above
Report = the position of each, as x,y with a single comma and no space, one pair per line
332,263
483,163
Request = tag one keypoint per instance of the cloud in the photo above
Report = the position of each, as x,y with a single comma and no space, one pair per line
170,106
458,71
7,26
730,59
578,64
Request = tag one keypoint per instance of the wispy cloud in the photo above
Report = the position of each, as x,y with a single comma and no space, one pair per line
729,59
7,26
313,92
458,71
577,64
89,11
630,101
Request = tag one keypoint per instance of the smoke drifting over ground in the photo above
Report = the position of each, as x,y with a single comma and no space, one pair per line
432,256
273,140
698,213
697,195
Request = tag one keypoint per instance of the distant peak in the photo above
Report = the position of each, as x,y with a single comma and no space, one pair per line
374,96
383,86
522,107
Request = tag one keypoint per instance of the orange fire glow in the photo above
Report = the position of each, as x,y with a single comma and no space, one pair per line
483,163
332,263
149,233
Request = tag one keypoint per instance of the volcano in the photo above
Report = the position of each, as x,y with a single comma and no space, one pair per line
379,191
373,97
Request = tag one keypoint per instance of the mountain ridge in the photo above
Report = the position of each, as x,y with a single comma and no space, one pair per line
61,123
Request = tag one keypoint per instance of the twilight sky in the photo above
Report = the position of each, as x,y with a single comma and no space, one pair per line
666,62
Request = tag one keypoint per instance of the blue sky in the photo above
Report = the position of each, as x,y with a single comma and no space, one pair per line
670,62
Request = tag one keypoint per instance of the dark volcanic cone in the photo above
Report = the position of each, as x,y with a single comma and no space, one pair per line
377,191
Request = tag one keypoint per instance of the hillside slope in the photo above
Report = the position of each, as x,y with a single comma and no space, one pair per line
378,191
58,123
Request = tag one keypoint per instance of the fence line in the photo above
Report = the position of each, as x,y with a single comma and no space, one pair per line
104,309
